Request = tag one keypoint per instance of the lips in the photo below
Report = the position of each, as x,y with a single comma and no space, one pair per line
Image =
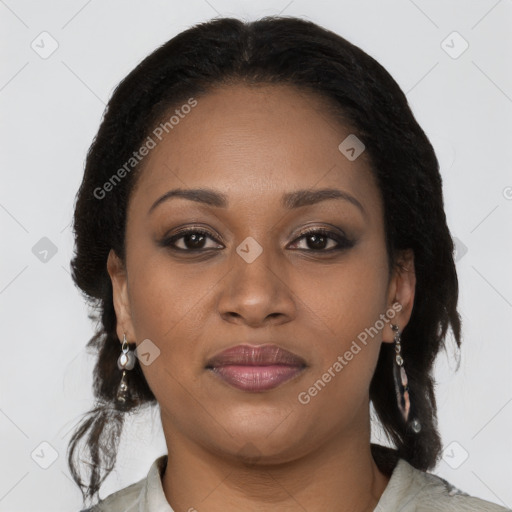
250,355
256,368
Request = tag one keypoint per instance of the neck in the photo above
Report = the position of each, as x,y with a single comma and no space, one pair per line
340,475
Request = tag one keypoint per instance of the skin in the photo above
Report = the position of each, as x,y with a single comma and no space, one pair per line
232,450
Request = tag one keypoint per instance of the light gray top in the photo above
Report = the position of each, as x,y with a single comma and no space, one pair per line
408,490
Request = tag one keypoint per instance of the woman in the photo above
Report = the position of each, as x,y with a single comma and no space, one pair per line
261,219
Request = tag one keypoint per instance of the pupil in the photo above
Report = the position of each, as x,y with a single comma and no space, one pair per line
196,240
318,241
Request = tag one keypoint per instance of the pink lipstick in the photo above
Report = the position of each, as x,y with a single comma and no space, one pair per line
256,368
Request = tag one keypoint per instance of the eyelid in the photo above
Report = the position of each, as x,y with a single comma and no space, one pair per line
333,233
329,228
167,241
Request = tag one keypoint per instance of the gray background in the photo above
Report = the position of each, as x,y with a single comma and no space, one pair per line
51,106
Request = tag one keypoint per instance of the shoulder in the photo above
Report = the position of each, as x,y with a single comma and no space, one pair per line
426,492
120,501
144,495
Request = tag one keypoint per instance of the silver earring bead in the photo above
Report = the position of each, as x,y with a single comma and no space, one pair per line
402,383
126,361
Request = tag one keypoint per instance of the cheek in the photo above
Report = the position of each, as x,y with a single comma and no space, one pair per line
162,293
165,309
173,306
345,302
346,296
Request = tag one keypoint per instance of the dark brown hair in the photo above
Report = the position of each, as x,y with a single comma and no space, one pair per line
361,94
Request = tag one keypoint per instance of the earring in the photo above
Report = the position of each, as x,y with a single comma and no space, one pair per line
402,383
126,361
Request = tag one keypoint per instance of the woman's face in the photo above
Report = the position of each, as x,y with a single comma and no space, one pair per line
254,278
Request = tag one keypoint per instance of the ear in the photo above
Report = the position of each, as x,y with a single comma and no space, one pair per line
117,272
401,290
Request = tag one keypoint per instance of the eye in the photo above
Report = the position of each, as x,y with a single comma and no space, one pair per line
318,239
192,239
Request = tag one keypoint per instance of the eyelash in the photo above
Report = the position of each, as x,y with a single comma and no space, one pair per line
343,243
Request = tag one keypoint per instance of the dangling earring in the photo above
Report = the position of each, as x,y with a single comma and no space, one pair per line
126,361
402,383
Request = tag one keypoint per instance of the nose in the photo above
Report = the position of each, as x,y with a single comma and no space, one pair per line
256,293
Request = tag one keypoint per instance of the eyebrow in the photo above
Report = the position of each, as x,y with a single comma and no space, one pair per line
289,200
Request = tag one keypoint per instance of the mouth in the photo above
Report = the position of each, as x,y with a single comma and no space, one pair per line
256,368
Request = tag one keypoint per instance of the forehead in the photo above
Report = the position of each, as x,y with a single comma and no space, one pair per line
252,142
